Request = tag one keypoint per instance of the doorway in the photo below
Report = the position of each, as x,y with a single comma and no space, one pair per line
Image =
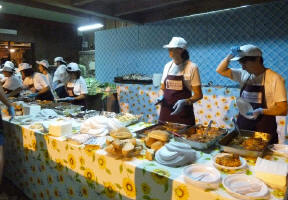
17,52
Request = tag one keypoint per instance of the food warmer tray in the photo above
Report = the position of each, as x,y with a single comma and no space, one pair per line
225,143
167,126
202,145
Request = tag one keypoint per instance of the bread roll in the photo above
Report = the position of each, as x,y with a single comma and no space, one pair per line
159,135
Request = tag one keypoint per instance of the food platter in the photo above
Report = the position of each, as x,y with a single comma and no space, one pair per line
247,143
168,126
199,138
227,161
245,187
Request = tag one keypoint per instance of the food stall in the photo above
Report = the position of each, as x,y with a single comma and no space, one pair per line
61,152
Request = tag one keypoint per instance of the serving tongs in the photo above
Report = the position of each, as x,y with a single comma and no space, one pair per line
208,127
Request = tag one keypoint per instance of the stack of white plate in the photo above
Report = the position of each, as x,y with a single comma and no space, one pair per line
202,176
175,154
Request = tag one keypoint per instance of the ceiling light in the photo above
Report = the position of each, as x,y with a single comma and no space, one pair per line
0,6
12,50
90,27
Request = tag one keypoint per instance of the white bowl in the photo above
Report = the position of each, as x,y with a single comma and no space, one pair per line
245,187
202,176
242,160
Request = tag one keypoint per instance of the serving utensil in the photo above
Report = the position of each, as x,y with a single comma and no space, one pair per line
208,127
236,126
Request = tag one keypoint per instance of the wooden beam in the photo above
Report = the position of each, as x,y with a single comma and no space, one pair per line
189,8
127,8
81,2
62,6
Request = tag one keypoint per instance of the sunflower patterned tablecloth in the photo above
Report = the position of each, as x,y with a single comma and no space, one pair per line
44,167
218,104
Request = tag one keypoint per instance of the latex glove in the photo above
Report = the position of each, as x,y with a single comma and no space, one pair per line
11,112
69,99
178,106
32,95
255,113
159,100
235,50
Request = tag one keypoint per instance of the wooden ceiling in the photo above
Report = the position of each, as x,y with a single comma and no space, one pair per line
135,11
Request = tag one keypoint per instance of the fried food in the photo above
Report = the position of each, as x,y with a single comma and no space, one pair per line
254,144
231,160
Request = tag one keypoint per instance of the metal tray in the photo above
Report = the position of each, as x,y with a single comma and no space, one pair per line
227,146
202,145
167,126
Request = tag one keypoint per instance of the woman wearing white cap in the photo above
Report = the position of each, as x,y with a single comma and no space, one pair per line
43,67
76,87
263,88
11,85
180,78
60,77
35,82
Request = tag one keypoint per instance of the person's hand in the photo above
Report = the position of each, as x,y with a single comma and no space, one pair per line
69,99
255,113
235,50
178,106
33,95
159,100
11,112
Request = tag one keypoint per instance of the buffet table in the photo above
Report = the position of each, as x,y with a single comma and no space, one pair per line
46,167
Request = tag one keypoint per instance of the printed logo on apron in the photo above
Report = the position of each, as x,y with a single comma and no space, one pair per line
252,97
174,84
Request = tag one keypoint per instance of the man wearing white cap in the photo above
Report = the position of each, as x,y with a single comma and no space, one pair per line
60,77
263,88
180,77
11,84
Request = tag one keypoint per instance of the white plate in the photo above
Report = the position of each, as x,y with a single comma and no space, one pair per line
202,176
280,149
242,160
244,107
245,187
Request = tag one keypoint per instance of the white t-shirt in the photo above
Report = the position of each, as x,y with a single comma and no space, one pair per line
61,75
12,83
188,69
49,78
37,79
274,85
79,85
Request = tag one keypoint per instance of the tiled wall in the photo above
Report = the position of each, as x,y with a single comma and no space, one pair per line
138,49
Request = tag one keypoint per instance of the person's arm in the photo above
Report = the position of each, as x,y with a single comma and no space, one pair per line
279,109
43,90
14,92
223,69
197,95
80,97
3,98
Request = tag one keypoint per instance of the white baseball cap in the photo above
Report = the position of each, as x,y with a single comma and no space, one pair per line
23,66
73,67
9,64
248,50
59,59
176,42
7,69
44,63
